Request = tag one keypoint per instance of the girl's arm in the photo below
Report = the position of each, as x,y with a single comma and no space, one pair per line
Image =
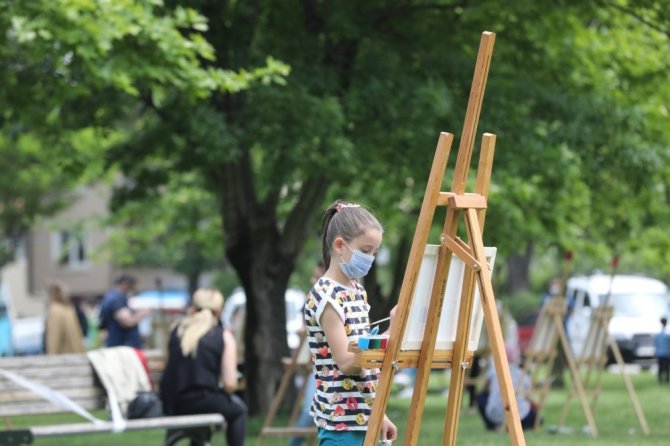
229,362
338,342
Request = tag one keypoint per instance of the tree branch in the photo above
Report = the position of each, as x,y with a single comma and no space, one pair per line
640,18
298,221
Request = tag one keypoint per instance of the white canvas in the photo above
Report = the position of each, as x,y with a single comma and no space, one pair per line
448,319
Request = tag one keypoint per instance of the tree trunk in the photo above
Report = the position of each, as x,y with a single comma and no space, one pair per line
518,270
193,279
265,333
264,258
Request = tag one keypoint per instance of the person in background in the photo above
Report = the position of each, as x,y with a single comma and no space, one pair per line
662,344
553,290
200,354
305,419
62,333
118,318
490,401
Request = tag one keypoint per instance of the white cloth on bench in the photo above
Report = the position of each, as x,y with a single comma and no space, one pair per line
122,375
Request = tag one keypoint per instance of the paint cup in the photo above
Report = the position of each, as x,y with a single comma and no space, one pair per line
377,342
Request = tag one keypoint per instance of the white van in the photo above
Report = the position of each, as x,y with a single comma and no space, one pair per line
639,303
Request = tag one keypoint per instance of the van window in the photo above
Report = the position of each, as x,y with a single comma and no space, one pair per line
587,300
639,305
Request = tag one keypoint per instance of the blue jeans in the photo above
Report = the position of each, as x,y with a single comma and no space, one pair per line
305,419
341,438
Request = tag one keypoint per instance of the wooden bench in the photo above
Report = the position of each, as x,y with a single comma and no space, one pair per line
73,376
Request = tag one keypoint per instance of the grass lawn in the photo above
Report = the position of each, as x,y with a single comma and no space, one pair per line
615,419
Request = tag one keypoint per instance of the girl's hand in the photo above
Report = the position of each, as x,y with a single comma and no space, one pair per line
392,313
389,431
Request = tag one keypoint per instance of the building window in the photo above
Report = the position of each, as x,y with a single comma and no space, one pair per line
69,249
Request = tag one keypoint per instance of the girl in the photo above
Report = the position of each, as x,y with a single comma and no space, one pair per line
200,353
336,312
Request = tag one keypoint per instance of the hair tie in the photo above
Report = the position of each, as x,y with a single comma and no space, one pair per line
346,205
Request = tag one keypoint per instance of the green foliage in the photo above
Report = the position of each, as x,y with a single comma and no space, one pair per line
179,228
76,74
523,304
29,187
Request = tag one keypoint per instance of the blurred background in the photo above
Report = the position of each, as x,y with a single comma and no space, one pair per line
197,143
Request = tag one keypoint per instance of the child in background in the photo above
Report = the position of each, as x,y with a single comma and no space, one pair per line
662,344
336,312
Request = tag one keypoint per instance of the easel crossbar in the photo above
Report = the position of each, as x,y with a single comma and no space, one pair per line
442,359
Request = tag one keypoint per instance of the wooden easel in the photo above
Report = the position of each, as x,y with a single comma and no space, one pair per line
471,207
542,352
299,363
593,358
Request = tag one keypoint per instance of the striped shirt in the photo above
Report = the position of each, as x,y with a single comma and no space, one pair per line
341,402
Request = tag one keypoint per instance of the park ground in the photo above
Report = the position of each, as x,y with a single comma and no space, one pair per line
615,419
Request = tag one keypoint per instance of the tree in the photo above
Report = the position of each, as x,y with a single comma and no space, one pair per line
92,67
29,188
369,89
178,228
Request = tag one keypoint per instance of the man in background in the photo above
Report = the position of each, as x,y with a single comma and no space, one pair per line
662,344
120,321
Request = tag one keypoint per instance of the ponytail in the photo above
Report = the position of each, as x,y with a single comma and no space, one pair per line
346,220
325,223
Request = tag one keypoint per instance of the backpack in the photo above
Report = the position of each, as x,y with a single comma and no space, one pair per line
145,405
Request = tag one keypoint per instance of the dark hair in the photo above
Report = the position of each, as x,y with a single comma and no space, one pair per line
346,220
126,279
664,320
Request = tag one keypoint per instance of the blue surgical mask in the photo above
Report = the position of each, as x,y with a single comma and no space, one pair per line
358,265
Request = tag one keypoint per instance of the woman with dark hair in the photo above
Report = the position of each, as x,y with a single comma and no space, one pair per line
200,354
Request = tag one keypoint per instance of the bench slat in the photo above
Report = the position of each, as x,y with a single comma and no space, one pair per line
59,383
176,422
45,407
42,361
27,395
46,372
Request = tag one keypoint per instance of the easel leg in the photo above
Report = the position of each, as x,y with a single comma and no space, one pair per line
598,363
576,383
459,368
512,419
411,273
546,385
430,335
629,387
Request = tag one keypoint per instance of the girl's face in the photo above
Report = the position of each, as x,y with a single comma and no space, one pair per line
368,243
